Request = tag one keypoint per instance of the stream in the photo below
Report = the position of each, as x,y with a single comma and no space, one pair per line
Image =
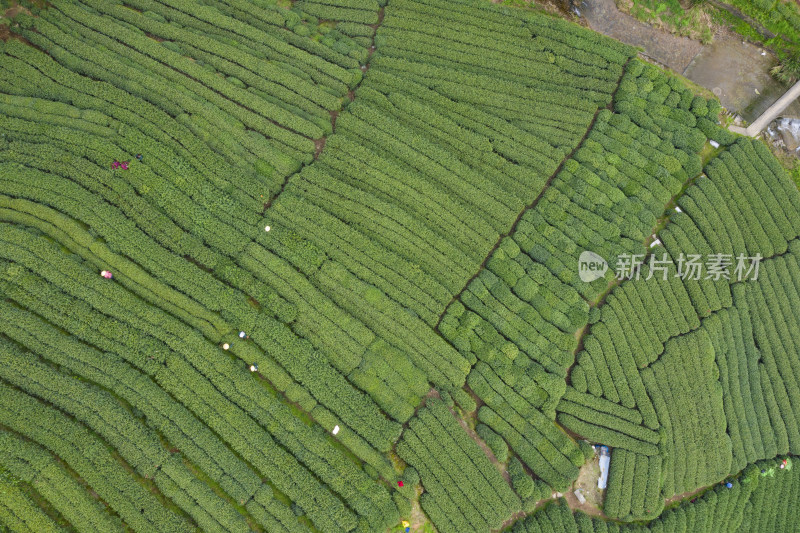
785,132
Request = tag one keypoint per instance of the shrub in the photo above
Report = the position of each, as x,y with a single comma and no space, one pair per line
494,441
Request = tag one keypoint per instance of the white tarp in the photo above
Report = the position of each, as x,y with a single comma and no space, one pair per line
605,461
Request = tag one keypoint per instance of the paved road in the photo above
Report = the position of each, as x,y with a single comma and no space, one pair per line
771,113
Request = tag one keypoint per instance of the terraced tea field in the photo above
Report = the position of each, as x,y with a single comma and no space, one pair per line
315,266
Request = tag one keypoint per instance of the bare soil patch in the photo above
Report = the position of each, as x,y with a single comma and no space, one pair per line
587,482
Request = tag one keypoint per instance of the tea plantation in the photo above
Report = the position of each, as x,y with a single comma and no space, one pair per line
314,266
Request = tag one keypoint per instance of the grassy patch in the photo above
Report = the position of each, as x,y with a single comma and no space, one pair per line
695,88
709,152
724,18
788,161
695,22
